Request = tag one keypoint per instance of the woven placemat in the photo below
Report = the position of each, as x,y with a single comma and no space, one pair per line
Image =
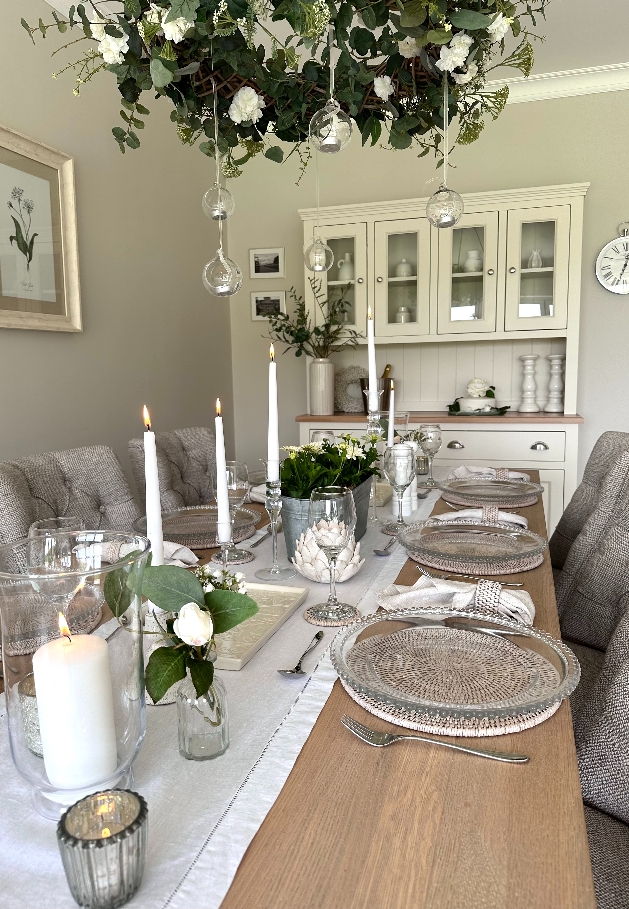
446,666
500,503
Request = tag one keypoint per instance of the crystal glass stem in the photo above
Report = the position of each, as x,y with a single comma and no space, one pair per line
332,600
225,547
374,519
399,491
430,481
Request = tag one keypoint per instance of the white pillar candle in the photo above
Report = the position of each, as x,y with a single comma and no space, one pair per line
153,504
76,711
372,396
222,496
391,430
273,443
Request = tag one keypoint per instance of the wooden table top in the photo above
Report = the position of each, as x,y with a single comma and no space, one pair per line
420,827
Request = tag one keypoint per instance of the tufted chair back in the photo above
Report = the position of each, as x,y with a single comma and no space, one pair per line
605,453
84,482
186,464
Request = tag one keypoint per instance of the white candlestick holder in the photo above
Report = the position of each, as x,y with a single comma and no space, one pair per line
529,386
555,386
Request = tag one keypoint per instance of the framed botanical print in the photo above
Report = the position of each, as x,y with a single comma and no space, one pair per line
39,266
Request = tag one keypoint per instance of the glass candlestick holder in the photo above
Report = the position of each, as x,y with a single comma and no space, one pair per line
376,431
273,505
73,674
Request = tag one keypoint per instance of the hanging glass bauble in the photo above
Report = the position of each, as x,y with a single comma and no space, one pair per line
218,203
444,208
221,276
319,256
330,128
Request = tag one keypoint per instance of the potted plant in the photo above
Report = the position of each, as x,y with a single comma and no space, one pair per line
349,462
317,341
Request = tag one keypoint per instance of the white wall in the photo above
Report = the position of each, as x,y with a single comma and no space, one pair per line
151,332
570,140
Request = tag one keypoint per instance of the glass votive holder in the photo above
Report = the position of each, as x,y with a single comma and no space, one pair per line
422,464
102,840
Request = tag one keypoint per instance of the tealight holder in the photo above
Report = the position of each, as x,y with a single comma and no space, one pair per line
102,840
273,505
70,605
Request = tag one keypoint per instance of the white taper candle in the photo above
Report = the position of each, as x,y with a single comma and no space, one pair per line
372,396
273,442
391,429
153,504
222,497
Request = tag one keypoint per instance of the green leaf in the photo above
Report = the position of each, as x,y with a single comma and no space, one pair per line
202,675
369,18
19,237
228,609
119,133
142,110
132,8
469,19
183,9
160,74
166,667
410,18
117,593
399,140
275,153
362,40
171,587
438,36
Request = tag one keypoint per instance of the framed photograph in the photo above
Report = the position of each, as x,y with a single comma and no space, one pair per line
265,304
266,263
39,266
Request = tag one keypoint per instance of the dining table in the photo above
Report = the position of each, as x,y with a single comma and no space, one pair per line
301,814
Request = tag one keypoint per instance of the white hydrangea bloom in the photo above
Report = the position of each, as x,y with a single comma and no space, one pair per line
383,87
477,388
455,53
499,28
111,49
154,14
246,105
408,48
174,31
467,76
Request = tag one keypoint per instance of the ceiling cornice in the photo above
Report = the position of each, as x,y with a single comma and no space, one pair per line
612,77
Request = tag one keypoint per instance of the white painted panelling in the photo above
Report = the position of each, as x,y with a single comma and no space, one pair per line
431,376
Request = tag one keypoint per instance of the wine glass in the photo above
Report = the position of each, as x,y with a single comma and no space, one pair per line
332,519
323,435
237,491
48,526
429,437
399,469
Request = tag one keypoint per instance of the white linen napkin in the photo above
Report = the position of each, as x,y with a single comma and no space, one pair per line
476,514
258,493
513,604
463,473
174,554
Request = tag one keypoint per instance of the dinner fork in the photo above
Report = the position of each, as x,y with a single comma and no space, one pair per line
473,577
382,739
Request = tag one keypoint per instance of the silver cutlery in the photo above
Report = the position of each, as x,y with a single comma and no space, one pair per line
472,577
268,532
463,507
298,670
385,551
382,739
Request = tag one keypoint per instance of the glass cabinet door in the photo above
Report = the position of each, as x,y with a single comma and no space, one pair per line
468,262
402,277
538,250
348,276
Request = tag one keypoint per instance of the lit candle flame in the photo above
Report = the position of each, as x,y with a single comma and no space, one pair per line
147,417
63,627
369,316
272,353
218,407
105,831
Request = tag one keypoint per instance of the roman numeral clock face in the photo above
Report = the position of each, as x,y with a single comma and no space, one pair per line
612,266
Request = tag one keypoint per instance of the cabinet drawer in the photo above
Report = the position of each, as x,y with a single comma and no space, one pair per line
502,446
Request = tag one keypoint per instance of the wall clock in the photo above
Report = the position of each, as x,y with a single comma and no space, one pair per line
612,264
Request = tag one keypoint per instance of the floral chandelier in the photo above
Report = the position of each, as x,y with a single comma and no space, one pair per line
401,68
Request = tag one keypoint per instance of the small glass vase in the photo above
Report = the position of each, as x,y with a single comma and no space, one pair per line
203,722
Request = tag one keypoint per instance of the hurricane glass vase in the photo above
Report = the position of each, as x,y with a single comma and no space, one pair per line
73,672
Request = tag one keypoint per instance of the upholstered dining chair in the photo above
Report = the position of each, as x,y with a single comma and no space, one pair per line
88,483
609,447
186,463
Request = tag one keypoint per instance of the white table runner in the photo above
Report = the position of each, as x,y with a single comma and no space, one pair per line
202,815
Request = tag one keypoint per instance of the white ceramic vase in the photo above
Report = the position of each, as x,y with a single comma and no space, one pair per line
404,269
474,261
322,387
346,268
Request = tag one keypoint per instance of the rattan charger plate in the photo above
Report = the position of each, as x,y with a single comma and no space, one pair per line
461,673
195,526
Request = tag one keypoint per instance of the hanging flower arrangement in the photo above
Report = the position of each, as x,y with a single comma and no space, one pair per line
392,58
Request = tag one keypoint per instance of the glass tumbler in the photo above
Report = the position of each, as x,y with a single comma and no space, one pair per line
73,668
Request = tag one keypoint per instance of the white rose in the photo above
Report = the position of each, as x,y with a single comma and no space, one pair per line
408,48
455,54
476,388
467,76
193,625
174,31
383,87
246,105
113,50
98,31
499,28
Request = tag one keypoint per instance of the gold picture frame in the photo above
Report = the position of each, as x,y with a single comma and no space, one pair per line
39,263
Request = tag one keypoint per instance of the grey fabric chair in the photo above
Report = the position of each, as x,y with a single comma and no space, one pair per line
609,848
593,587
84,482
605,453
186,464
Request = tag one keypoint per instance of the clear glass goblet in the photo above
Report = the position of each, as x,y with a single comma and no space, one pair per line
237,491
429,438
323,435
399,469
48,526
332,519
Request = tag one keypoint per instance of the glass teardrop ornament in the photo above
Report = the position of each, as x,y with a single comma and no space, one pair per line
330,128
318,257
221,276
